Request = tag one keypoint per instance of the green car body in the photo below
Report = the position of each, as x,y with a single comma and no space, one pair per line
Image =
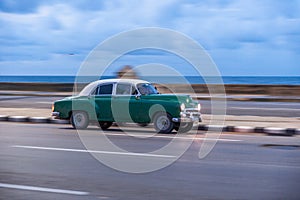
127,100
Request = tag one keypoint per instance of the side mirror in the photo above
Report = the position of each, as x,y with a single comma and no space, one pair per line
137,96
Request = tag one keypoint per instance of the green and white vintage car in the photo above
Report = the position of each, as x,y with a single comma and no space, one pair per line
128,100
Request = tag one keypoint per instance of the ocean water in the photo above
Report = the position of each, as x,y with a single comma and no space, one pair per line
268,80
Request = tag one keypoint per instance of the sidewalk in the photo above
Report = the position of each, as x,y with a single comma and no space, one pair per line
34,93
198,96
232,123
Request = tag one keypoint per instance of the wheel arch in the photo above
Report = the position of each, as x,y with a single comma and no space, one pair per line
157,113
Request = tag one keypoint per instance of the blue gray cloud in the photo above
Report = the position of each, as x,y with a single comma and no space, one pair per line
244,37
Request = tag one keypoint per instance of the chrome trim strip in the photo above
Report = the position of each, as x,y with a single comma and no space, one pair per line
55,114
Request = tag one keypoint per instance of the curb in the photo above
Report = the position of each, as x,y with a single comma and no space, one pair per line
247,129
274,131
39,120
244,129
3,118
280,131
17,119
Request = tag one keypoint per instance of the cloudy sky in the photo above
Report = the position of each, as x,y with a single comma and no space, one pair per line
243,37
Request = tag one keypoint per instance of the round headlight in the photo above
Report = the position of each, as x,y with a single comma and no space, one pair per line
182,107
199,107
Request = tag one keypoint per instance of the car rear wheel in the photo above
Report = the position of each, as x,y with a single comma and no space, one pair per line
183,127
79,120
105,125
163,123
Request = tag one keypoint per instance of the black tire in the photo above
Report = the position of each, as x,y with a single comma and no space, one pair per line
163,123
79,120
183,127
105,125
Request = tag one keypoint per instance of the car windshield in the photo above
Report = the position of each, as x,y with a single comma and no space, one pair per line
146,89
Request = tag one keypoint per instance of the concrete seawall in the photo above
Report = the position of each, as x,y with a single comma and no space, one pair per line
272,90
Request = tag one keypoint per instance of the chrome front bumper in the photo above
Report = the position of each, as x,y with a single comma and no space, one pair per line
55,115
188,115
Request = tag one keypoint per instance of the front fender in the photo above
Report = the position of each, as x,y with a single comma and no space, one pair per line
86,105
171,108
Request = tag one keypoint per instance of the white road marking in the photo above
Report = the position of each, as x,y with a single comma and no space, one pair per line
177,137
279,103
44,102
92,151
271,109
42,189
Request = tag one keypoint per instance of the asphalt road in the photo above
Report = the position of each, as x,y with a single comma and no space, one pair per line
48,161
274,109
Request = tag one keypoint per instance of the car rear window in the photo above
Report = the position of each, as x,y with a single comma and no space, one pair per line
106,89
103,89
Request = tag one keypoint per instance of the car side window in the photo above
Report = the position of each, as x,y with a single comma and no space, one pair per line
103,90
95,91
123,89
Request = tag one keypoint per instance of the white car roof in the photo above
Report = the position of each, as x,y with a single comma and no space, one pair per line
88,89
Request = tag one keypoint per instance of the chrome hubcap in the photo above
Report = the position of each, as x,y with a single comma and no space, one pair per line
163,122
78,119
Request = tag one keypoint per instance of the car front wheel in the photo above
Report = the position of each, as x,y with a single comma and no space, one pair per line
79,120
163,123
